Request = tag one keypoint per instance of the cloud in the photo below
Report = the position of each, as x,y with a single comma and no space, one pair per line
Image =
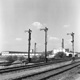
53,38
66,26
18,39
38,25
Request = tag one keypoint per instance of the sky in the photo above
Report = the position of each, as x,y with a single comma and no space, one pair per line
59,16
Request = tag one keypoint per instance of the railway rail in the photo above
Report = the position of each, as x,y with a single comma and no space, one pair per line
17,68
45,75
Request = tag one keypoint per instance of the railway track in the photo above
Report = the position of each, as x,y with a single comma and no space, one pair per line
46,74
17,68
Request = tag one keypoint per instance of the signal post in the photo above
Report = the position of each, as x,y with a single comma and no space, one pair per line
29,44
45,29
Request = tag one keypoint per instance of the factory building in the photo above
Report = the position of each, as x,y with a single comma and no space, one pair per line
18,53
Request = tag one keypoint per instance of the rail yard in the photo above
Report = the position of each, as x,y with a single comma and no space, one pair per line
39,39
38,71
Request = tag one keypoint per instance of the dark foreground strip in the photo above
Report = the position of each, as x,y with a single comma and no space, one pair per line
5,70
35,74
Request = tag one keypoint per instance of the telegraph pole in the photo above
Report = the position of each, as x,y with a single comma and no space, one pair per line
72,34
45,29
29,44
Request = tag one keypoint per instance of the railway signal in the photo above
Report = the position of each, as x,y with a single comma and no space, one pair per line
72,34
45,29
29,44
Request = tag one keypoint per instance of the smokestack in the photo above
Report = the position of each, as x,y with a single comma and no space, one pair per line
62,43
35,48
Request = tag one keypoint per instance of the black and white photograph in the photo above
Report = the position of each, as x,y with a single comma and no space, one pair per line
39,39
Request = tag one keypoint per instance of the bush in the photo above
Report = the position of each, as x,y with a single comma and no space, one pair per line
11,59
34,58
15,58
41,57
60,55
21,58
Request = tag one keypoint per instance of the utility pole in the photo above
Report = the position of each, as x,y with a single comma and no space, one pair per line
72,34
29,44
45,29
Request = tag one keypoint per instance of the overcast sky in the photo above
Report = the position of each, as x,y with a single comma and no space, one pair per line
60,16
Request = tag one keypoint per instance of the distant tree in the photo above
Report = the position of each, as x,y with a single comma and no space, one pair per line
42,57
34,57
15,58
21,58
11,59
60,55
49,53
